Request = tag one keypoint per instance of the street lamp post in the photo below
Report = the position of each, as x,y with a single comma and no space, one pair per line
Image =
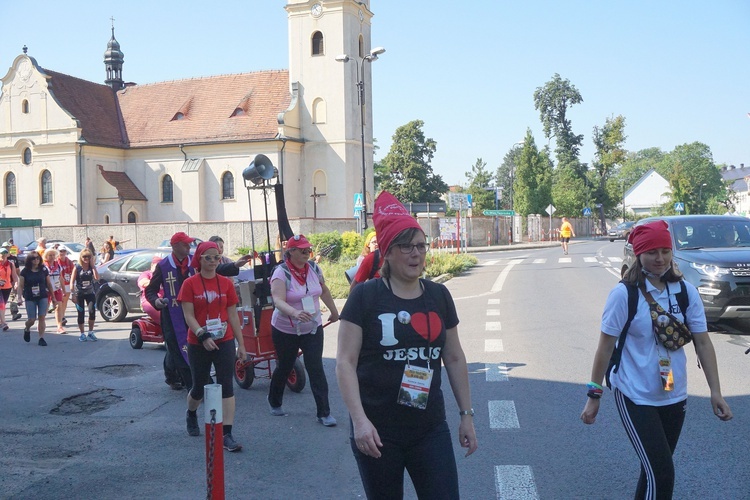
700,195
360,64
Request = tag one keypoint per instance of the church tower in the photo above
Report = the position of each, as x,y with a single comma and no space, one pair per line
113,59
329,55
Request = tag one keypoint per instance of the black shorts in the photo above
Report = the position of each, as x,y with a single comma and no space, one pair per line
564,239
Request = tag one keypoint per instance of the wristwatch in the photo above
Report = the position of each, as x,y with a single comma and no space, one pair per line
470,412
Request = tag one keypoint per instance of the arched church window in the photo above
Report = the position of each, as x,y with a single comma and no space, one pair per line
167,189
319,111
46,187
227,186
27,156
106,219
10,189
317,44
25,107
131,217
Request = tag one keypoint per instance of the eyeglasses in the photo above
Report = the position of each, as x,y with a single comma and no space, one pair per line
85,256
373,242
408,247
211,258
305,251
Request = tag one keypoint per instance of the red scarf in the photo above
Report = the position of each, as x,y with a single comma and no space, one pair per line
183,266
299,274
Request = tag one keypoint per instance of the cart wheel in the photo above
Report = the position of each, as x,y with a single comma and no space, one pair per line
244,374
297,378
136,341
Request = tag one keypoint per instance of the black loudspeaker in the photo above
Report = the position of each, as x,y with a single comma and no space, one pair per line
260,169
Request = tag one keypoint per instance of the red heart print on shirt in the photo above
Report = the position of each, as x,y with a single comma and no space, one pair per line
419,323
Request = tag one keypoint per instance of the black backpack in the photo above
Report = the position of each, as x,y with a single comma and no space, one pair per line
614,360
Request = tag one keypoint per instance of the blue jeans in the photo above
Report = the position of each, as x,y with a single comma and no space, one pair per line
427,456
36,308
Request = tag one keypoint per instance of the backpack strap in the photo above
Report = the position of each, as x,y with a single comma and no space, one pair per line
682,299
614,360
375,264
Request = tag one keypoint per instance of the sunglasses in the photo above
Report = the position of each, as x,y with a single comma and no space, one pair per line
86,257
211,258
305,251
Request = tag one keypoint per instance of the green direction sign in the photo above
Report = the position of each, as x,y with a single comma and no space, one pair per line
498,213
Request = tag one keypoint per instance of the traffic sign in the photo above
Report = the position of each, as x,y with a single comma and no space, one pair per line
498,213
358,205
587,212
679,207
550,209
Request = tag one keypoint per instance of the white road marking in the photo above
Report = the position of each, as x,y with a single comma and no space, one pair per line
493,302
615,259
493,345
539,261
515,482
564,260
589,259
493,312
492,326
496,372
498,286
503,415
490,262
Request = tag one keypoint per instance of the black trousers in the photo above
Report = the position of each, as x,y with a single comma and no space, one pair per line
287,346
176,368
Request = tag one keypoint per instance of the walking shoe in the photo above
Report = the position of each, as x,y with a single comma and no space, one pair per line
328,421
192,424
92,337
62,331
42,342
176,386
26,335
230,444
5,327
16,317
276,412
82,338
64,322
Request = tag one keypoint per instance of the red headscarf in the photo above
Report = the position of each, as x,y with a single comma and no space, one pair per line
391,218
206,245
650,237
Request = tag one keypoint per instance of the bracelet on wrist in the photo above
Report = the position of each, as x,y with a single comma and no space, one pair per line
594,385
594,394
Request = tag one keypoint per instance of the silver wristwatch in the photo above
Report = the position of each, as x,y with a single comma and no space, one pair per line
470,411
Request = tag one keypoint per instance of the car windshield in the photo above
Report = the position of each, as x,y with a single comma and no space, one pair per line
75,247
714,233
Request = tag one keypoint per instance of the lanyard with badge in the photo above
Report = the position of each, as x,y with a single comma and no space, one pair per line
416,380
214,326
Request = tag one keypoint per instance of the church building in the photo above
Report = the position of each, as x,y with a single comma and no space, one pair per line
79,152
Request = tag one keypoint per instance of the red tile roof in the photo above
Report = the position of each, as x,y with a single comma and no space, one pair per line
93,105
208,105
126,190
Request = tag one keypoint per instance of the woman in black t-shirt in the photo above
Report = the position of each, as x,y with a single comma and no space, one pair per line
395,334
36,286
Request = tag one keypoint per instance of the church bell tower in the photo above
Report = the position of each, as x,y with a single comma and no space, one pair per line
113,59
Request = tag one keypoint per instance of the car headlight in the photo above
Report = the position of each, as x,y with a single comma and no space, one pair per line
709,269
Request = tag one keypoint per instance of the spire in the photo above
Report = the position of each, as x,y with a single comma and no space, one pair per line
113,59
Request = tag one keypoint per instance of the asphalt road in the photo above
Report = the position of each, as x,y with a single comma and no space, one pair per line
96,420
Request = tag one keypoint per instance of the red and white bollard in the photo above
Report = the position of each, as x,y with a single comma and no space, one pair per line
214,419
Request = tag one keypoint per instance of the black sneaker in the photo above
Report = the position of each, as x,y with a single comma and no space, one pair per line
192,424
42,342
16,317
26,335
64,322
230,444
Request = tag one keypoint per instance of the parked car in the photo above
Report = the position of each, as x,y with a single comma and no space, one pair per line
621,231
713,253
74,249
118,294
31,247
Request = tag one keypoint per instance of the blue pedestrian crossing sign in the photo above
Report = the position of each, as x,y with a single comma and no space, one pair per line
679,207
587,212
359,206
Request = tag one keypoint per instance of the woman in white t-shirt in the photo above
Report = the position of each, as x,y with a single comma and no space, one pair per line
297,287
650,383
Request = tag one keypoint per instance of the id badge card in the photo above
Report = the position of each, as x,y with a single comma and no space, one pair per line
665,371
215,328
415,387
308,304
35,291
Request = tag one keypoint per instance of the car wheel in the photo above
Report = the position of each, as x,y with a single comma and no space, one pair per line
611,240
136,341
112,307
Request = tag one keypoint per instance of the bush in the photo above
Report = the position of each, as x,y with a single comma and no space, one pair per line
334,275
438,263
330,242
351,244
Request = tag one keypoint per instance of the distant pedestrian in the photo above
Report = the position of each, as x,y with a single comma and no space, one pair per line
90,245
41,246
566,231
83,279
37,291
8,278
66,271
54,270
12,303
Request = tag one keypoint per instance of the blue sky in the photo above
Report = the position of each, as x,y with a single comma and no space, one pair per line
678,71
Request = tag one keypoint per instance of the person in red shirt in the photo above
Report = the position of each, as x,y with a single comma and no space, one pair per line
66,270
209,304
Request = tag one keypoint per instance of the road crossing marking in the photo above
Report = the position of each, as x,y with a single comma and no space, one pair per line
615,259
503,415
490,263
498,286
493,312
493,302
589,259
564,260
492,326
515,482
493,345
539,261
496,372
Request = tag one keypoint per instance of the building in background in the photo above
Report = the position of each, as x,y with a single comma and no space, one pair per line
648,193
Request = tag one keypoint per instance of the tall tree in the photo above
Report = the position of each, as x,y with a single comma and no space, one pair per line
533,179
480,181
570,192
693,177
504,175
407,170
553,101
609,155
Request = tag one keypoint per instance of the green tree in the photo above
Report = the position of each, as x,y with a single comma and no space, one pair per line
570,192
479,180
504,176
693,177
553,101
533,179
610,154
407,171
